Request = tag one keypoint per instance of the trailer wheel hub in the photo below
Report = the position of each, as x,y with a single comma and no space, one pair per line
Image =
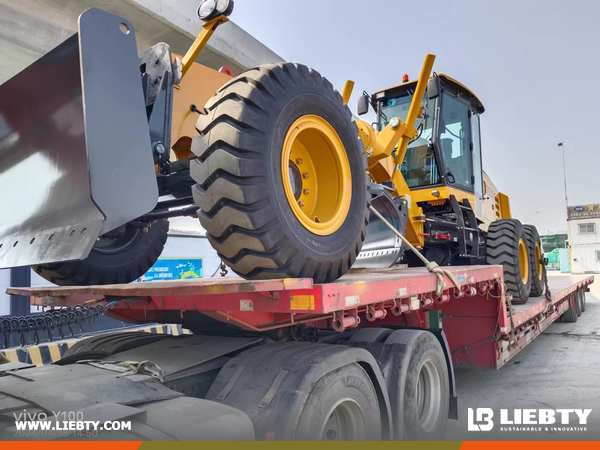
346,422
429,395
316,175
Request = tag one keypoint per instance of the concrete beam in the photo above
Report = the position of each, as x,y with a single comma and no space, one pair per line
30,28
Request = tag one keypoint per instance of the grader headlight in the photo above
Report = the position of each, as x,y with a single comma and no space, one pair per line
209,9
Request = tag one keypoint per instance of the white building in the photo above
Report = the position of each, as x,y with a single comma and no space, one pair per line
584,236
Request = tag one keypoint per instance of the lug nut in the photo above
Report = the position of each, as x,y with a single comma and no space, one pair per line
306,192
299,161
305,176
301,204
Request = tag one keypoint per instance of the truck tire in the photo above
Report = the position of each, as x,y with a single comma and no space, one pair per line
570,315
583,301
420,398
579,303
112,261
536,256
343,406
268,139
369,336
507,246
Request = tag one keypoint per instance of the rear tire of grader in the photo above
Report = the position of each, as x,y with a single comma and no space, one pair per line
536,267
113,260
507,246
280,175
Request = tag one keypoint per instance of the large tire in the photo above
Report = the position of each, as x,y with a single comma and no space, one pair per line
579,303
583,300
420,398
240,183
106,266
571,314
507,246
369,336
536,256
343,406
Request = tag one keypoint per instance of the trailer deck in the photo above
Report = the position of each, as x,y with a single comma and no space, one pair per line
481,328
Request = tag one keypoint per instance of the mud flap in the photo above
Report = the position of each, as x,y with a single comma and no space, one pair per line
75,152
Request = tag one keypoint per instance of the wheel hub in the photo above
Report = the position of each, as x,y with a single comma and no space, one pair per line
345,422
316,175
429,392
523,261
117,242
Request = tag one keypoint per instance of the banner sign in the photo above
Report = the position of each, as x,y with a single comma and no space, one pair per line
583,212
174,269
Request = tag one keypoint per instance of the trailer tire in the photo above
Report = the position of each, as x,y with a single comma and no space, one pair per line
507,246
583,301
536,256
570,315
343,406
579,303
111,267
256,203
420,398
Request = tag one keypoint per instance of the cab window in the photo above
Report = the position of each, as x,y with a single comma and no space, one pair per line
477,166
420,167
455,142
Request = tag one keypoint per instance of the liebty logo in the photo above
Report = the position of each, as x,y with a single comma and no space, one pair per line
529,419
483,415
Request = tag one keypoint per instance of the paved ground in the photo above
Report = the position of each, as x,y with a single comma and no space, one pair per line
560,369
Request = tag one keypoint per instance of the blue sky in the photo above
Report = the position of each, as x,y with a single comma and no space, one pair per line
534,64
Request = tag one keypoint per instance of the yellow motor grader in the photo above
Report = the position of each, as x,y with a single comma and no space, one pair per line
100,146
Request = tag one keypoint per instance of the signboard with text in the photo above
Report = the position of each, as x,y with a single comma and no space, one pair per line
174,269
583,212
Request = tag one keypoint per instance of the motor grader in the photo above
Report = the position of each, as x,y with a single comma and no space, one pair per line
97,152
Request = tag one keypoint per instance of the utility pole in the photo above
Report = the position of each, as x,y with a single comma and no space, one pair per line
562,147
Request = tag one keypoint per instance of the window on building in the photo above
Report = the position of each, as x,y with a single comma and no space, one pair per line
587,228
598,256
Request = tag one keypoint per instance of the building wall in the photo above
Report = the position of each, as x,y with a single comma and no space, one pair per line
584,246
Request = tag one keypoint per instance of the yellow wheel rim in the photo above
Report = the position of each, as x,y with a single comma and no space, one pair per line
523,261
316,175
538,260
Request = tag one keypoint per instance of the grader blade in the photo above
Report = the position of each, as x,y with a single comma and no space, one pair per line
75,151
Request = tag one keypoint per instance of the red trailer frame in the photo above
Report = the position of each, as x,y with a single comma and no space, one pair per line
481,328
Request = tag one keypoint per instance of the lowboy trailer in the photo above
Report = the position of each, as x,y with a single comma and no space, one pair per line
369,356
